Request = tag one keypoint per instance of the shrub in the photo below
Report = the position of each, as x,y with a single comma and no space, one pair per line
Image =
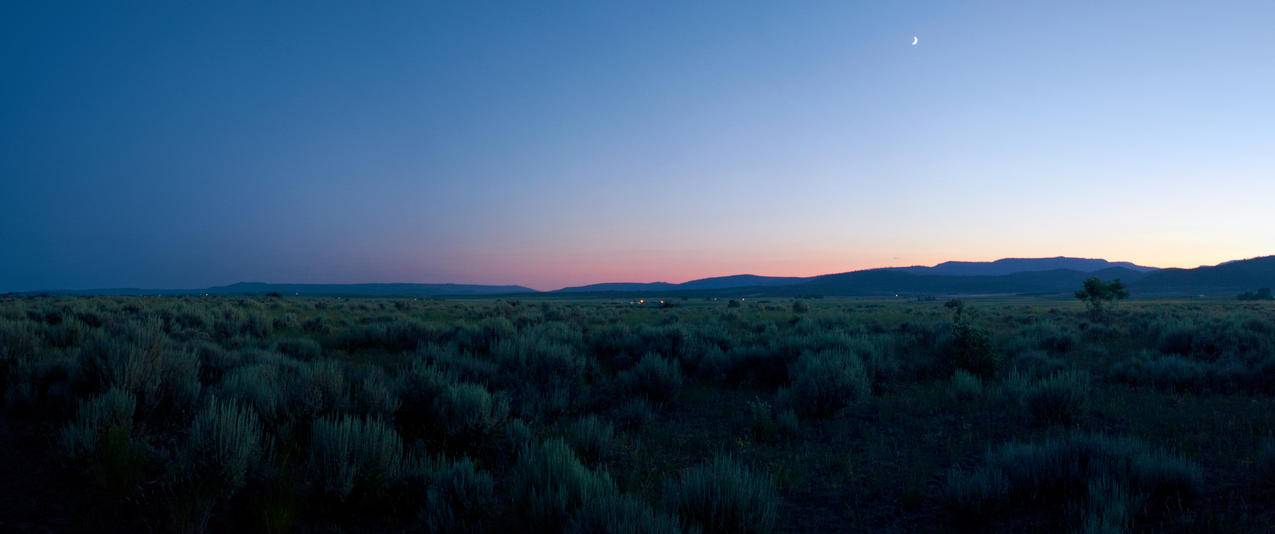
1265,464
592,438
316,325
1110,508
467,411
256,386
463,365
622,514
826,382
1037,363
965,386
1169,372
515,437
110,413
315,388
762,418
976,494
723,496
224,444
545,375
215,362
489,331
550,485
352,454
786,422
299,348
1060,398
712,364
459,498
398,335
634,413
1060,474
420,385
799,306
971,349
223,447
101,440
376,394
654,377
139,360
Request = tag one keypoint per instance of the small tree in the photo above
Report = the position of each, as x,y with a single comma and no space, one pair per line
957,306
1096,294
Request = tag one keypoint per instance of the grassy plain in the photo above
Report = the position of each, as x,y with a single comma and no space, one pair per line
597,415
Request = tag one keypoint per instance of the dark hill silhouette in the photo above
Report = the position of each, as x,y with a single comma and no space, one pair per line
1021,265
317,290
718,282
893,281
1225,278
949,278
620,287
367,290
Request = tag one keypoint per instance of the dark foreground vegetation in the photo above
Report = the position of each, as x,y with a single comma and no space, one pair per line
275,414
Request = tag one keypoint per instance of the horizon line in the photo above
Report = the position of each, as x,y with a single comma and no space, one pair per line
538,290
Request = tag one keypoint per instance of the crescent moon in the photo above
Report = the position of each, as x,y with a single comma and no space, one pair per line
915,40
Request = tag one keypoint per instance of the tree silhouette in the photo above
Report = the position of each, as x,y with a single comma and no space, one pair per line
1096,294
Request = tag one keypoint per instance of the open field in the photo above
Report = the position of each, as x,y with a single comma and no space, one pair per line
591,415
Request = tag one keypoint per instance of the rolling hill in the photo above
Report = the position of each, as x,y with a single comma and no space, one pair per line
316,290
1010,276
1021,265
719,282
1222,279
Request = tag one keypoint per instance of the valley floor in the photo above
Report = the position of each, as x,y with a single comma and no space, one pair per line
597,415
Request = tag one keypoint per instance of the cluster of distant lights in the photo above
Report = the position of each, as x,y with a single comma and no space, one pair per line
641,302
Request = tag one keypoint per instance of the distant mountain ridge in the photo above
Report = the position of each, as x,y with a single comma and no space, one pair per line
1020,265
317,290
718,282
1009,276
1224,278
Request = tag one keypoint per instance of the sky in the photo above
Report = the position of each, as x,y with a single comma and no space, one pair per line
190,144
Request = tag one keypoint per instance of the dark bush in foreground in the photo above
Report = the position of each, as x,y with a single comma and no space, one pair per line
1059,474
655,377
1059,398
723,496
299,348
592,437
467,412
225,444
1265,464
460,498
824,383
971,495
970,348
350,454
224,447
550,485
965,386
622,514
107,417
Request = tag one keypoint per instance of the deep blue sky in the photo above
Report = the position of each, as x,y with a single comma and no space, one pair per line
183,144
